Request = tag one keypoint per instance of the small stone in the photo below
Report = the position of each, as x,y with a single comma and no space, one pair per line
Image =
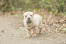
2,31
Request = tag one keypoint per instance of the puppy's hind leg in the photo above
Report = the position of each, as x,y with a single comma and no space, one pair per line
40,28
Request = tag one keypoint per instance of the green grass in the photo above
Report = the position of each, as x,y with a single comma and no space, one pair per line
22,17
14,14
43,17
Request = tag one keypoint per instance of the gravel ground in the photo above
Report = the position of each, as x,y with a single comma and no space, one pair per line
11,32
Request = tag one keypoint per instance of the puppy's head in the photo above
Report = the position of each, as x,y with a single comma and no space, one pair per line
28,16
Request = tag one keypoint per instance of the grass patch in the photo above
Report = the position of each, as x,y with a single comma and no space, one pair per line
43,17
63,14
14,14
22,17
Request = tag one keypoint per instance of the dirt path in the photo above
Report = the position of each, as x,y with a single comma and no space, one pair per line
10,34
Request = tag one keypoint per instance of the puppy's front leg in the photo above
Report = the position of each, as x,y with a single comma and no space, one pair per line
28,33
34,32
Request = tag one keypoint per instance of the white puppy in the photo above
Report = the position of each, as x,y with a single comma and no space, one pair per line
32,22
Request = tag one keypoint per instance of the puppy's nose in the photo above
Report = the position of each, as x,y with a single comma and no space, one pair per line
28,18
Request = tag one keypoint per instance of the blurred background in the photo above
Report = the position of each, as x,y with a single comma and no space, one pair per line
48,5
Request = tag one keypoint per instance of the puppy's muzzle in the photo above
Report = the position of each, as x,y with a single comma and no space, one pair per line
29,20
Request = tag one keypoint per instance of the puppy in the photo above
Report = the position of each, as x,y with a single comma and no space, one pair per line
32,22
